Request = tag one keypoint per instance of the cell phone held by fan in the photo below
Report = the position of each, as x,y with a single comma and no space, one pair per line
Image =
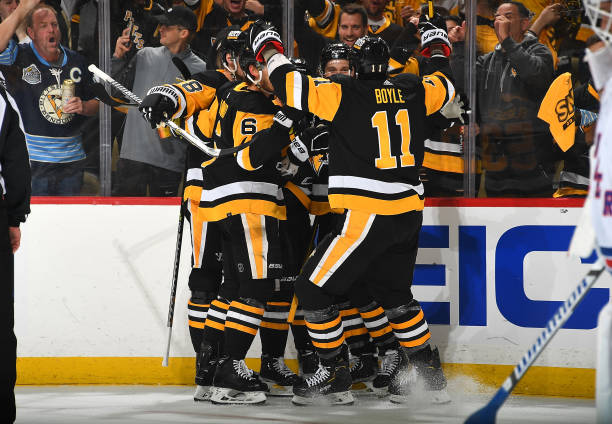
130,33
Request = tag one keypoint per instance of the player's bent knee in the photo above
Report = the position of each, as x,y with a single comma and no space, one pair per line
260,290
204,280
203,297
310,295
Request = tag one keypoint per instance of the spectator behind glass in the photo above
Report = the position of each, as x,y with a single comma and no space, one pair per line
213,17
511,82
52,119
352,24
6,8
149,164
378,23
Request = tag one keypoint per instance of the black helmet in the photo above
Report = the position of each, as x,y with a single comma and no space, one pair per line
372,57
336,51
227,41
246,56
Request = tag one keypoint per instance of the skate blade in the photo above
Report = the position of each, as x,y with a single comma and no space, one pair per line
401,398
202,393
364,388
225,396
340,398
277,389
439,396
381,392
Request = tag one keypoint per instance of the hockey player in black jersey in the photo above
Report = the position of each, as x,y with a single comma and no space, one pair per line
191,97
377,131
242,194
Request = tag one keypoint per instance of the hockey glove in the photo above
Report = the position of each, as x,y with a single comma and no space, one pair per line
261,36
297,152
457,110
316,139
434,38
159,105
287,168
282,119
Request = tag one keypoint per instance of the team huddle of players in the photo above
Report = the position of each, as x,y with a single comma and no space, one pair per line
344,148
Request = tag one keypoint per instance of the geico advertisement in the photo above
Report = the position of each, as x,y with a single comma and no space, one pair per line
509,264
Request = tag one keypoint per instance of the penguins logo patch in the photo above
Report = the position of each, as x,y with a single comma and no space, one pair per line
31,75
50,105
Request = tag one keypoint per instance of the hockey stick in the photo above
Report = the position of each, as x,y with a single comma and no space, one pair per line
195,141
487,413
175,271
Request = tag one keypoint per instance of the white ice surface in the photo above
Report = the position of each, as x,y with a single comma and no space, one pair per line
174,404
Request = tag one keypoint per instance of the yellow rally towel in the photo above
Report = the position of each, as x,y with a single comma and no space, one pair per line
557,109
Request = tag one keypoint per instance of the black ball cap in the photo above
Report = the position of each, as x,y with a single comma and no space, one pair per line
180,15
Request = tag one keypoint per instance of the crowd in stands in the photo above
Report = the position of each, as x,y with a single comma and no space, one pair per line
534,112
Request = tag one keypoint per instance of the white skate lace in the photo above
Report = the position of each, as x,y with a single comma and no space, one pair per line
320,376
279,366
355,363
389,362
242,370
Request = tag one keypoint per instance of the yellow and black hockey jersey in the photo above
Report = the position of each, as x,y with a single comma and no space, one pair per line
247,182
194,96
377,132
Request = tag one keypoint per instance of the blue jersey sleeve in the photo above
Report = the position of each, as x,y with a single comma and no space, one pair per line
9,55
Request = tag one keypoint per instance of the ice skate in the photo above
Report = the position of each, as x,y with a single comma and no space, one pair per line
206,364
278,376
429,370
363,369
393,360
330,385
309,362
236,384
397,375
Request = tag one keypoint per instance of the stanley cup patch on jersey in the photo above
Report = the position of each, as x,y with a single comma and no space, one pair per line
50,104
31,75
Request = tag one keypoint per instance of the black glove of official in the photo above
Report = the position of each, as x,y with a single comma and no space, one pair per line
262,35
159,105
457,110
434,38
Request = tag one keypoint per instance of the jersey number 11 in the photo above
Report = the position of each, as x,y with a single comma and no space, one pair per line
381,123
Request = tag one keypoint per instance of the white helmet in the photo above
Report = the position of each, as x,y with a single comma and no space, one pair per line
600,14
600,62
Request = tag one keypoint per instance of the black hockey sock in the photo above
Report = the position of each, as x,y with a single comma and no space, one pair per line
409,325
355,332
377,323
196,316
241,325
325,330
214,326
274,329
301,339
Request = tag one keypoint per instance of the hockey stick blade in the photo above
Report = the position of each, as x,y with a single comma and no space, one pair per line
102,95
195,141
487,414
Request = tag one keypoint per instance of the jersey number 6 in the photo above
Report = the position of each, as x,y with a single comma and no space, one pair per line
386,160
